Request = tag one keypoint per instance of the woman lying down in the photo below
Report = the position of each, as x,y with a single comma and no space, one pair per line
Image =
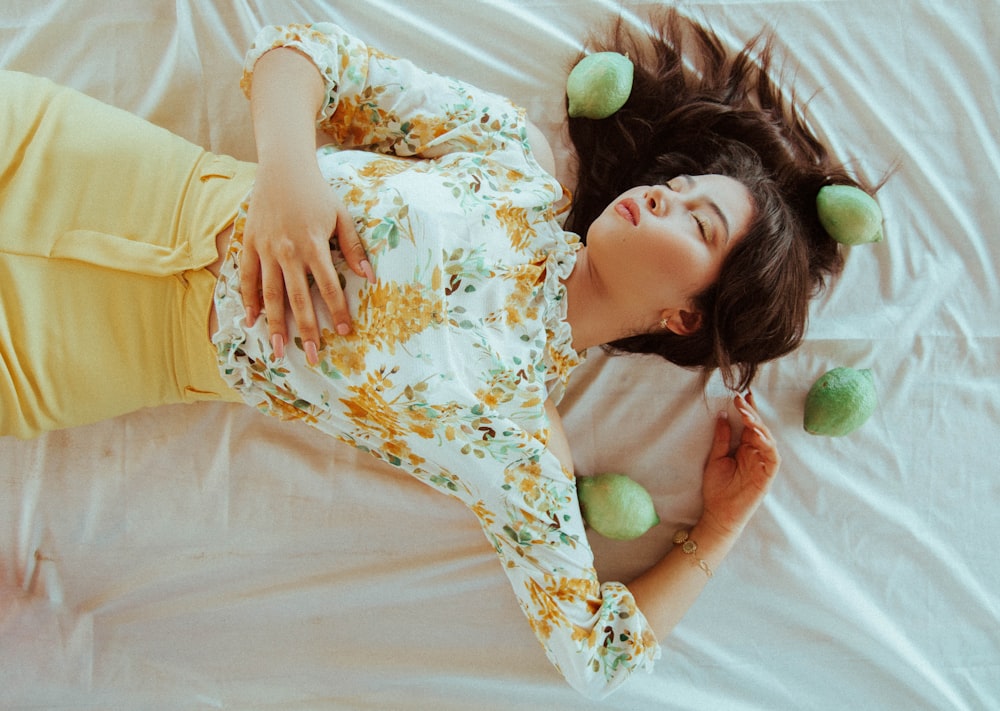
440,330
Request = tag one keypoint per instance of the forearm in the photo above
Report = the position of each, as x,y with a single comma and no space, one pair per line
733,486
667,591
294,215
286,96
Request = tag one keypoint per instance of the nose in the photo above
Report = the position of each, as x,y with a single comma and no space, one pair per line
660,199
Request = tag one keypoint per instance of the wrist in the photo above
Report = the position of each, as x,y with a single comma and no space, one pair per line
720,527
286,173
706,544
286,96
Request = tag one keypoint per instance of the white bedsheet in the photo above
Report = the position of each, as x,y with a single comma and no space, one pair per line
207,557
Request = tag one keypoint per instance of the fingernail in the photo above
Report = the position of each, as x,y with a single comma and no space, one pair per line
312,356
343,329
251,316
366,268
723,415
278,345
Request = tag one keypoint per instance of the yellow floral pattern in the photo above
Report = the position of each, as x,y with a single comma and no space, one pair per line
462,339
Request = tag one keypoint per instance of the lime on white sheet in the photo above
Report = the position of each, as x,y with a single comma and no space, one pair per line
616,506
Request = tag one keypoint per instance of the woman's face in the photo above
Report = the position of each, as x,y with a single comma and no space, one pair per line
657,247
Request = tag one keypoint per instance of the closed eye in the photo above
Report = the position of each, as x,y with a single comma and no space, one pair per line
704,226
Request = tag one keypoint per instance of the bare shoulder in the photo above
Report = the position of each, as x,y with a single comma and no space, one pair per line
541,148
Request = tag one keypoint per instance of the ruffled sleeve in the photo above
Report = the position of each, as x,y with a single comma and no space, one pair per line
593,633
379,102
560,357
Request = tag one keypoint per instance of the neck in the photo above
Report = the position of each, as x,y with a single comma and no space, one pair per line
587,311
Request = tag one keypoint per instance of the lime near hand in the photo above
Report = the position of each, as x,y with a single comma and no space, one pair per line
616,506
840,402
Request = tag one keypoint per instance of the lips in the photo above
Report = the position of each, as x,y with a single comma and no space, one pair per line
628,209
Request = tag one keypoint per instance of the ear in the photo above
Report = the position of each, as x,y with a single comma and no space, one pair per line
681,322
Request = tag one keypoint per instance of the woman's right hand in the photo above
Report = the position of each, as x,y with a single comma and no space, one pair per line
733,485
735,482
292,217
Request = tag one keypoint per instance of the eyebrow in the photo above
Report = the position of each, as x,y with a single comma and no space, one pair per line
714,207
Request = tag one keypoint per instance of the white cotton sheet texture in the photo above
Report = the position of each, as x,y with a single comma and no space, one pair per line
206,557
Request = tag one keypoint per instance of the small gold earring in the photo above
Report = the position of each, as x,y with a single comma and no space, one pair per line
664,324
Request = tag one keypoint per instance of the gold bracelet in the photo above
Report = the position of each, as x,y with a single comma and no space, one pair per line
682,539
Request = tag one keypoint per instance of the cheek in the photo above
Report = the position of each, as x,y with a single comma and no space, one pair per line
685,269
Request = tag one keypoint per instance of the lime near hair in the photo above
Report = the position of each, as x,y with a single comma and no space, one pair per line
697,108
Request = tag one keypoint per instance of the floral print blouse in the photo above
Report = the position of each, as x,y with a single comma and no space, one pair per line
461,340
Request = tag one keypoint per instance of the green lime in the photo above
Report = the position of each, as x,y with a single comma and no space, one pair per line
840,402
849,214
616,506
599,85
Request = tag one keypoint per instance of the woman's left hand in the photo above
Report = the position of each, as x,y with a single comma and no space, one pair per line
291,218
735,481
293,214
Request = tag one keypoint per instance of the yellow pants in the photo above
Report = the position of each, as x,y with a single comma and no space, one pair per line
106,225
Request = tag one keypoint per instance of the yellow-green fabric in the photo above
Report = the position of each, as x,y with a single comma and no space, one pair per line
106,225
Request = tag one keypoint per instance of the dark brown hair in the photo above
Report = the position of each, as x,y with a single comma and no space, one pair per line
721,114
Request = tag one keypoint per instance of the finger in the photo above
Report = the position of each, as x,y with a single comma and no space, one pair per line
352,247
762,446
300,300
250,284
273,291
747,413
328,284
763,433
751,417
754,435
723,433
759,439
754,423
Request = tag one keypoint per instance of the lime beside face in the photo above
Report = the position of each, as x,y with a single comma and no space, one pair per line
616,506
840,402
599,85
